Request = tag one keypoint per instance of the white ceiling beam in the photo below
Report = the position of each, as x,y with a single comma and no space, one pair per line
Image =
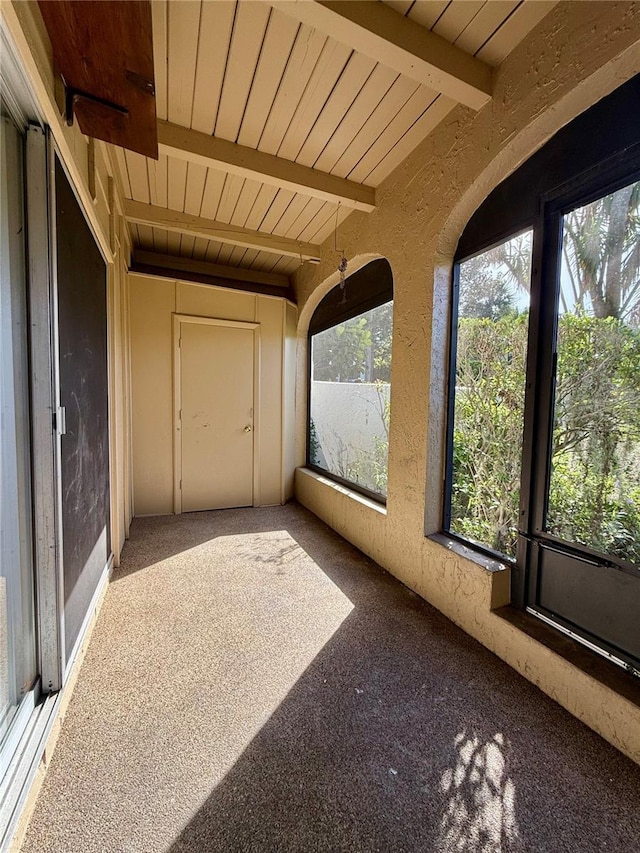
196,226
196,147
377,31
178,264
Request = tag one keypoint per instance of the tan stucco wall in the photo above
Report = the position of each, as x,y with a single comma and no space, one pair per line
578,54
153,303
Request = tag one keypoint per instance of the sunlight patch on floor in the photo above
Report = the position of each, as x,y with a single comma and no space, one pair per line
256,611
480,812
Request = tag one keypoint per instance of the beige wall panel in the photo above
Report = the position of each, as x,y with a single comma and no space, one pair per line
289,400
422,208
271,319
152,303
202,300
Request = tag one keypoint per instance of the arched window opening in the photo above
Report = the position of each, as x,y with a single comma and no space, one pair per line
350,337
543,461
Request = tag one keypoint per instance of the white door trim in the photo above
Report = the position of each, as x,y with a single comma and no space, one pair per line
178,319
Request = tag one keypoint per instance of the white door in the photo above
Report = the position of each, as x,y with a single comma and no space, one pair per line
216,419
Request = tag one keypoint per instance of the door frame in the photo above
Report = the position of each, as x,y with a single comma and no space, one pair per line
541,544
178,319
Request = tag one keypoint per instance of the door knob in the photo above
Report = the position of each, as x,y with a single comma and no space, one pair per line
247,428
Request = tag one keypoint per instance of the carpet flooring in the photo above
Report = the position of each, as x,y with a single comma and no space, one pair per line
254,683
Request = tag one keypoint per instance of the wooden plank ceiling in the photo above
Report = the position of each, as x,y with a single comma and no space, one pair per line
257,74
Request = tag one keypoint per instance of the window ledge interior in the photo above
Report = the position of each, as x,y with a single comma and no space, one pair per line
491,564
344,490
597,667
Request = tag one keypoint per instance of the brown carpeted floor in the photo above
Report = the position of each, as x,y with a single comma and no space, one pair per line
255,684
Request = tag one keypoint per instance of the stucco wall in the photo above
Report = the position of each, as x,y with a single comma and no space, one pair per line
578,54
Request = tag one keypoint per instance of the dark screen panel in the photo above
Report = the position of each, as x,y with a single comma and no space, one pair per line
600,599
366,288
82,319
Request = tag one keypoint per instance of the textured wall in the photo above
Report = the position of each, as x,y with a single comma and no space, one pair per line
577,55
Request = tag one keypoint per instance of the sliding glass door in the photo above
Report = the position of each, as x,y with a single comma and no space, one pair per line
18,659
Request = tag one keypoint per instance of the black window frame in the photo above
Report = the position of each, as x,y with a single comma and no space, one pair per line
485,550
367,288
597,153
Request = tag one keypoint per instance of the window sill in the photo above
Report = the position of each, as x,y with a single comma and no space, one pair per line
469,553
342,490
589,662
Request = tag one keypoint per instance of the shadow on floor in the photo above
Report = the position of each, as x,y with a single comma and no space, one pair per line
401,734
405,734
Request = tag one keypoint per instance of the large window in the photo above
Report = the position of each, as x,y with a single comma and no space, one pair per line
349,381
488,394
544,410
594,480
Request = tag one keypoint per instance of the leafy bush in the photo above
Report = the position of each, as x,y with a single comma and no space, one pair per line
594,495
